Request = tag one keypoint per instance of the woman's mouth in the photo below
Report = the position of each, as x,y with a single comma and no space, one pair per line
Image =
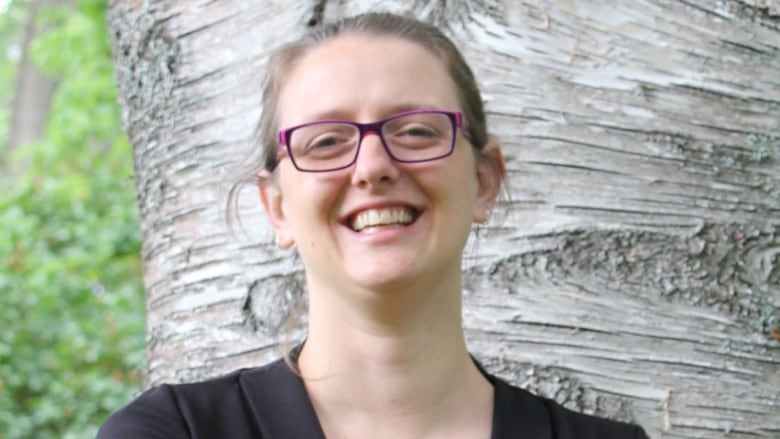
374,220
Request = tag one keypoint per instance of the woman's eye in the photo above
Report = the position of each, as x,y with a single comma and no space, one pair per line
325,141
418,131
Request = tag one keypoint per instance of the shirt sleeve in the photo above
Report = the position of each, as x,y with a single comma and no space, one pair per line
153,415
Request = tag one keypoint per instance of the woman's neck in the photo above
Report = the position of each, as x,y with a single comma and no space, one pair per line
399,368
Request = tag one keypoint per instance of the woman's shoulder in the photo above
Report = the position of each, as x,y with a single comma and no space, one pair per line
519,410
179,410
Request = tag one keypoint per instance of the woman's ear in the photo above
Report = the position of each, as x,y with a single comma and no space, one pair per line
273,204
490,176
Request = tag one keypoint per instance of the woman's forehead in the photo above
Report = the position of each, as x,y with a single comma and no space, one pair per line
355,73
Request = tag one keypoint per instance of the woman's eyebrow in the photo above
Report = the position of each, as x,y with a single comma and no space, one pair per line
347,115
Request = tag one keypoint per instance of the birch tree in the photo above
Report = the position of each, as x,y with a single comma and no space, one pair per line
634,272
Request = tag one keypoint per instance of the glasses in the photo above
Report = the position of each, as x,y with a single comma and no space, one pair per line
408,137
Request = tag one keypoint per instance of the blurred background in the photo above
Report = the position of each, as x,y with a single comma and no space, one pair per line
71,298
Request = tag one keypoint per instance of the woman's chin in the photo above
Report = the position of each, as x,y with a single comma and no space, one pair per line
385,276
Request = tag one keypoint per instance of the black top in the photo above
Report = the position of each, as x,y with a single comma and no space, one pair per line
271,402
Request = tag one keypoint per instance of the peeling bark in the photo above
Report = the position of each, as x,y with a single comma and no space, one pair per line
635,273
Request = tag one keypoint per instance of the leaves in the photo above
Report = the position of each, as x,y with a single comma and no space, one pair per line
71,300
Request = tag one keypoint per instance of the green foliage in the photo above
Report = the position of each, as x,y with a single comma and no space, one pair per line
71,300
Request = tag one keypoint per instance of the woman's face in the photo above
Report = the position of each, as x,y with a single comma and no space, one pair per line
422,212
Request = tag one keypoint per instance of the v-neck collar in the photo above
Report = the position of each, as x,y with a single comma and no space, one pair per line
278,398
279,402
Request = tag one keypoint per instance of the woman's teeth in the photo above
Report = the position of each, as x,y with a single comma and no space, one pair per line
386,217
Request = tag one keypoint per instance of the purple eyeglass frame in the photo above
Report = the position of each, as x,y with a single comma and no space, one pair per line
456,119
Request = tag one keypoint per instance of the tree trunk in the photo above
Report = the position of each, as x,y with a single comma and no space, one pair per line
635,273
32,93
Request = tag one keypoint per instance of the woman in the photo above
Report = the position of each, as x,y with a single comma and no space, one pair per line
376,162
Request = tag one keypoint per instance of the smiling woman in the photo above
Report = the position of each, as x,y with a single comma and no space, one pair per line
376,163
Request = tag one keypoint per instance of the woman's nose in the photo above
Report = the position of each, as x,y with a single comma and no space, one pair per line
373,165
